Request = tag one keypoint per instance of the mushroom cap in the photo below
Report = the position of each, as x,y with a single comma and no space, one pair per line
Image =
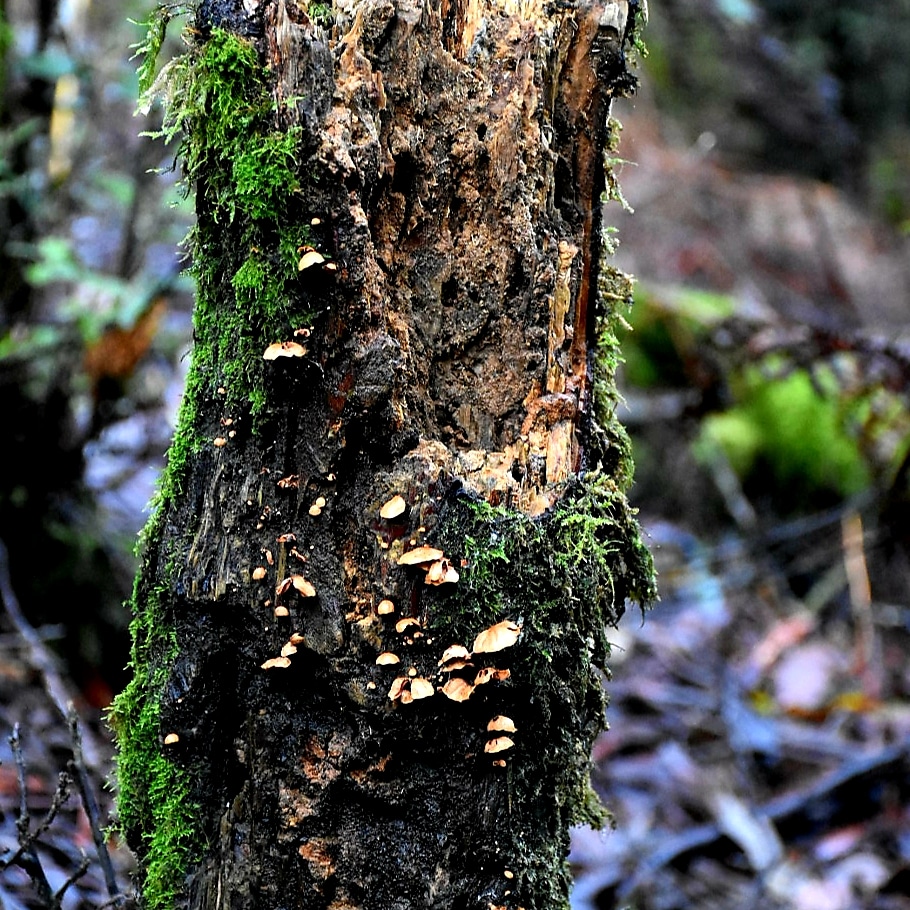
284,349
420,555
384,607
457,689
310,258
302,586
421,688
387,657
499,744
403,624
454,652
502,635
393,508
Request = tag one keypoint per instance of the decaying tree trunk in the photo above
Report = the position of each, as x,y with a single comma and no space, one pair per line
371,623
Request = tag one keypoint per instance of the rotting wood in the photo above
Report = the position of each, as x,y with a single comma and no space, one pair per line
448,163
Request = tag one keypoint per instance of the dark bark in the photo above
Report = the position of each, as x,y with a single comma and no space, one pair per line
449,166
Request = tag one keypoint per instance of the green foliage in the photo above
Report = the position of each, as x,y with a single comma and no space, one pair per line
149,49
666,329
791,428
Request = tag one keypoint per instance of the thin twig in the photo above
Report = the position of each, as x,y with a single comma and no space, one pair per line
91,806
80,871
26,857
42,659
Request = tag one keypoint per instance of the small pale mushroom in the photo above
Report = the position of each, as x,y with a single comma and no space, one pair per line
454,652
296,638
393,508
387,657
499,744
502,635
486,674
288,649
403,624
420,555
283,349
258,573
502,724
440,572
421,688
499,763
171,738
309,258
315,510
299,584
219,441
397,689
457,689
282,611
384,607
508,873
276,662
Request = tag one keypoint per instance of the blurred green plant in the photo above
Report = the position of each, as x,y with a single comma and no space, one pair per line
789,433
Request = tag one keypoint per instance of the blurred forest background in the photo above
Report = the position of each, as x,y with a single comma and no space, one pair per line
759,755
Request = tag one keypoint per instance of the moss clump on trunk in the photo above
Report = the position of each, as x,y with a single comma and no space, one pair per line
217,102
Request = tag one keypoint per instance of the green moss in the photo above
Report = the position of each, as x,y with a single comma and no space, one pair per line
155,810
565,577
244,251
244,248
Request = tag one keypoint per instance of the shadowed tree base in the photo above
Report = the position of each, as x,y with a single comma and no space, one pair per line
388,447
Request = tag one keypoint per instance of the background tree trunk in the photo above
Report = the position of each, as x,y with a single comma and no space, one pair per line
450,346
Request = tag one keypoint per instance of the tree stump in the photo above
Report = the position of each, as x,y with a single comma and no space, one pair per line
371,622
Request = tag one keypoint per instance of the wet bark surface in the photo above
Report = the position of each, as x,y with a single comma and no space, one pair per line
451,170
